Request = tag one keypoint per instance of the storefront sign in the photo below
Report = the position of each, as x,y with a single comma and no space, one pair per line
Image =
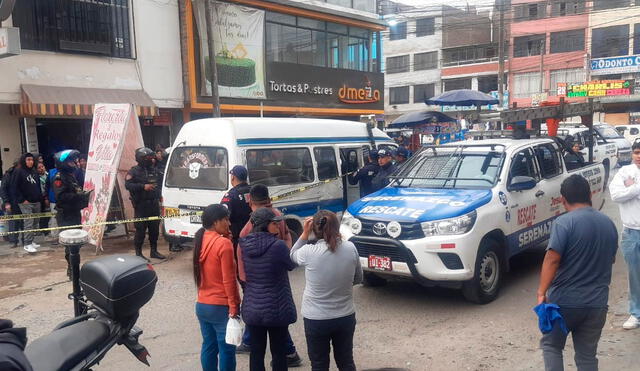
9,41
605,66
604,88
364,94
299,88
115,134
238,35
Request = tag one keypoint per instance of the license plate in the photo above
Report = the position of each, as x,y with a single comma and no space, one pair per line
195,219
382,263
171,212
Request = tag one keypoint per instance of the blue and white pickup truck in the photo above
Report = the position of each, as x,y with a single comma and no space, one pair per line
455,214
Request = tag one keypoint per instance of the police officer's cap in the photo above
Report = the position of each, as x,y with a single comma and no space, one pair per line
239,172
402,152
384,152
373,154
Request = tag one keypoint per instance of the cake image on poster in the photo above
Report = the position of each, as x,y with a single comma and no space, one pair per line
232,71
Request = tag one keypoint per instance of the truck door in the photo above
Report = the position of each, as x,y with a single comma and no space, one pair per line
351,160
548,194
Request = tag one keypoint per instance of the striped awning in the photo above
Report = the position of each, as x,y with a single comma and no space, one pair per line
41,100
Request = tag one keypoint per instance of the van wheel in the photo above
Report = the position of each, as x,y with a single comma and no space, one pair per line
373,280
485,285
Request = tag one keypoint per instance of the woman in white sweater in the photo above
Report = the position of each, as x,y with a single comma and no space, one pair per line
332,267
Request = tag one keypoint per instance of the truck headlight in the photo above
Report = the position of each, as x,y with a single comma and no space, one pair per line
394,229
354,224
458,225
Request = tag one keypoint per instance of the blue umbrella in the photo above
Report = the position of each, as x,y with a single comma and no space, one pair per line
420,118
462,97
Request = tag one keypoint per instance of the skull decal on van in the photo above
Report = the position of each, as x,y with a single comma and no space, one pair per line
194,170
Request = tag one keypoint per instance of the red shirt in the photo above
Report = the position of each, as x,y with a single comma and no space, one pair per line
218,284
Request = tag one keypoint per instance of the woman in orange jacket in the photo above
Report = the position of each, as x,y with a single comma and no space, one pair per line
214,271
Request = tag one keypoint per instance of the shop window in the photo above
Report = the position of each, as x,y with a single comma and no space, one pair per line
425,61
526,46
398,64
398,32
567,41
610,4
526,84
455,84
279,166
399,95
423,92
425,26
610,41
326,160
91,27
569,76
198,167
563,8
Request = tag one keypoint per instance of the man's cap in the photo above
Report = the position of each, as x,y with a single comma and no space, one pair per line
373,154
384,152
259,193
264,215
239,172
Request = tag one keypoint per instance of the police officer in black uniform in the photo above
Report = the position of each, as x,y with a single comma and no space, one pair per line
366,174
236,201
387,167
70,198
144,185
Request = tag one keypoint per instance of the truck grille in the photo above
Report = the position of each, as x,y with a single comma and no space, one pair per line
380,247
410,231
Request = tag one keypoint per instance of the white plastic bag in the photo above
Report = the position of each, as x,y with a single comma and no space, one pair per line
235,329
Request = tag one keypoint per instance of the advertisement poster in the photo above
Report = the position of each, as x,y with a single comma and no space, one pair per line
238,35
598,88
112,135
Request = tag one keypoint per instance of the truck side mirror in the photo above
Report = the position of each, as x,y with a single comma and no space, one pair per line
521,183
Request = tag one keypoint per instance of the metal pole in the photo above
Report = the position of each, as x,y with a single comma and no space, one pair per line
542,51
215,98
501,54
74,260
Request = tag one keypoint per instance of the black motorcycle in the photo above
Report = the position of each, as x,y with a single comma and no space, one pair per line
108,293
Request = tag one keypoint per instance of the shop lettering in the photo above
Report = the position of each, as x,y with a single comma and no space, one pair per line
300,88
534,234
555,201
355,96
601,88
526,215
112,116
633,61
392,210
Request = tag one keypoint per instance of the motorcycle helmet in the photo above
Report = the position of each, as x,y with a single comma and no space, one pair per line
66,160
145,156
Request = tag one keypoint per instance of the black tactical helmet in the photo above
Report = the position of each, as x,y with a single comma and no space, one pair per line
144,156
66,160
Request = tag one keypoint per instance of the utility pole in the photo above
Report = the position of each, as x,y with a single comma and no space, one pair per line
542,51
501,54
215,97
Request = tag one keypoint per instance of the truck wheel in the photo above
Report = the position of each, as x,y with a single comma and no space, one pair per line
485,285
373,280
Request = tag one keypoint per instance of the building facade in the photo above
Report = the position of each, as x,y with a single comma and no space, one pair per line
284,58
412,60
75,54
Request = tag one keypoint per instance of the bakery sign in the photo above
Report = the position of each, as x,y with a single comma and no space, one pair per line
359,95
597,88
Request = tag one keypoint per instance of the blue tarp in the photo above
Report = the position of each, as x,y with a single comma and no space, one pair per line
462,97
420,118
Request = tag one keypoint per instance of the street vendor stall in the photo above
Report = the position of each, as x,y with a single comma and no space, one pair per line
427,127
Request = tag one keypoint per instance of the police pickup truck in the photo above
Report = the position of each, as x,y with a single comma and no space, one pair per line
455,214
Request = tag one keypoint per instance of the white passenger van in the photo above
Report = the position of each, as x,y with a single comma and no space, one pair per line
302,161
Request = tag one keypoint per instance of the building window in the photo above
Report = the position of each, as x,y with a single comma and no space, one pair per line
610,4
567,41
423,92
93,27
455,84
398,32
469,55
308,41
564,8
425,27
527,46
398,64
399,95
487,84
636,37
530,12
569,76
526,84
610,41
425,61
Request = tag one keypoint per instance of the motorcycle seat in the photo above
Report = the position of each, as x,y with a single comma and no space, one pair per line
65,348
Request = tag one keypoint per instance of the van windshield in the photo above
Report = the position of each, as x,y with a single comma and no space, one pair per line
198,167
448,169
608,132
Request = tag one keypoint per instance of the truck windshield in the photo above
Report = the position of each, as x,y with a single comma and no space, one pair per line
451,168
198,168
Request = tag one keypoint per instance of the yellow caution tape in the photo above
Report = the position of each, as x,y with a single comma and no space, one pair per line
306,188
39,215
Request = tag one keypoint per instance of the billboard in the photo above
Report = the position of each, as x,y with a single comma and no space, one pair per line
605,66
597,88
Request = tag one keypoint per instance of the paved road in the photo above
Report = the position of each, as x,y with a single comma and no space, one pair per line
401,325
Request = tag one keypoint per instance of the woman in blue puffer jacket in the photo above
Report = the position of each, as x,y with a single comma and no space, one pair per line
267,306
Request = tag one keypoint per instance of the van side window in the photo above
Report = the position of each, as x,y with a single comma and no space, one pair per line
326,159
548,160
279,166
523,165
634,131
